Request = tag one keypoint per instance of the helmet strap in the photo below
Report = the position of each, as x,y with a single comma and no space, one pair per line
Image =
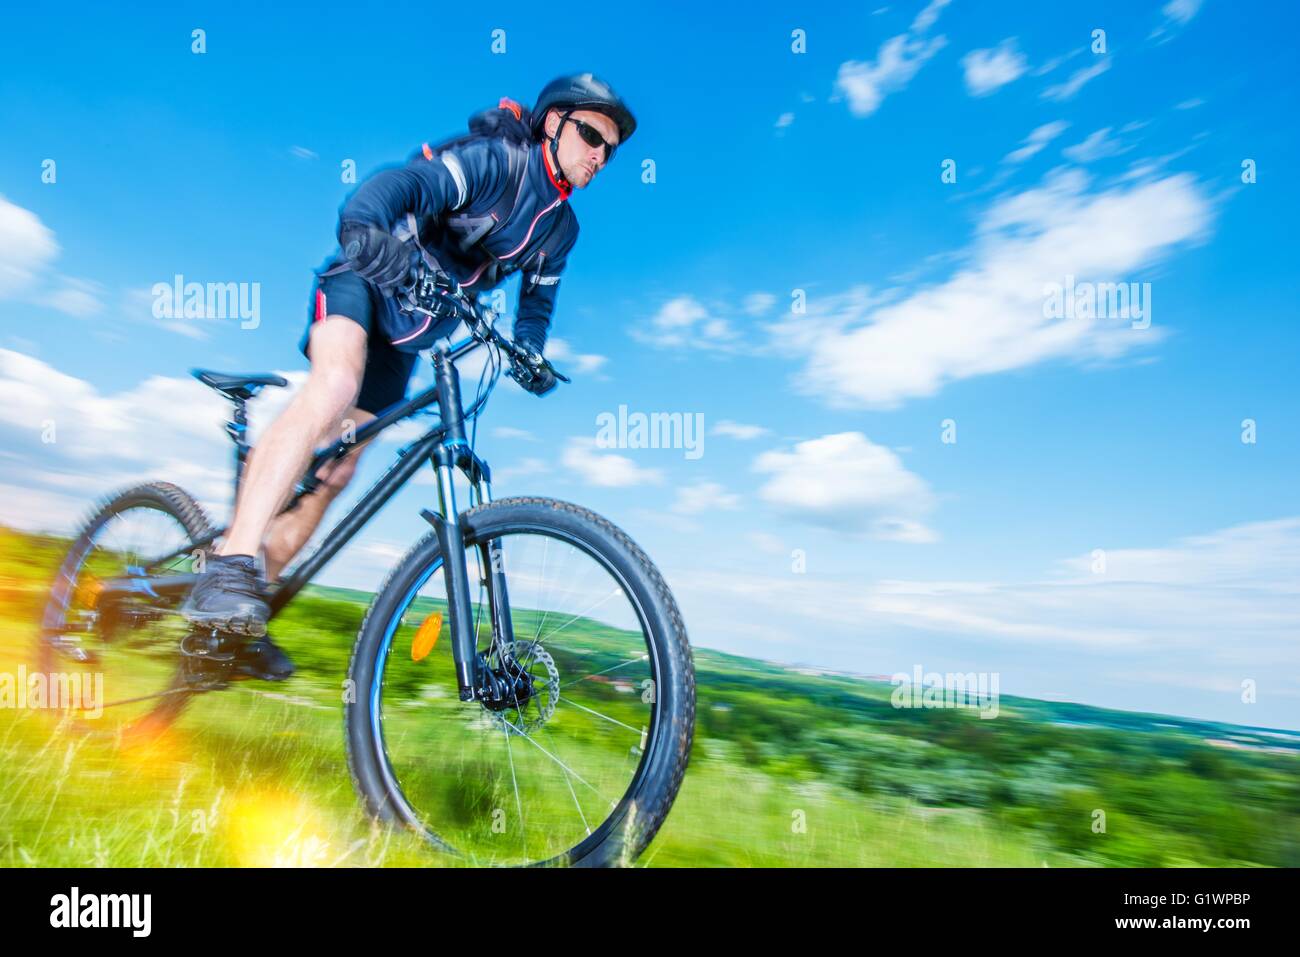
555,150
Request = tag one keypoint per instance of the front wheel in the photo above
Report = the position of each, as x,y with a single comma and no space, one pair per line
581,765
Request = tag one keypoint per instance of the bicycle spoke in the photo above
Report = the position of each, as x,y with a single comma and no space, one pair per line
568,770
546,545
621,664
636,731
585,612
519,804
572,793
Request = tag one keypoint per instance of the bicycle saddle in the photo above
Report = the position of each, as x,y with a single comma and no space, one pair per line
237,386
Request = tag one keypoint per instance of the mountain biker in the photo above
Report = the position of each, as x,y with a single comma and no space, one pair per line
361,364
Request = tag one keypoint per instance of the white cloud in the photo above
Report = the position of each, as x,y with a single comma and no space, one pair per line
1238,582
1178,601
510,432
303,153
27,250
684,321
1036,140
525,468
1191,104
608,469
560,351
989,70
27,247
1098,145
78,297
1181,11
846,482
901,530
784,120
757,303
738,430
680,313
166,428
925,19
766,542
1066,90
1265,553
866,85
1177,13
989,317
704,497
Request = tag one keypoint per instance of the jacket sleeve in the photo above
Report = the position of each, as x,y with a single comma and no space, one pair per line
427,187
537,293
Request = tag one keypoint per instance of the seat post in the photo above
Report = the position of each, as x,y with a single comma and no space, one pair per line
236,428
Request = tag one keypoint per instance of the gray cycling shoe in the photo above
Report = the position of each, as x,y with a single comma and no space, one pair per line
229,597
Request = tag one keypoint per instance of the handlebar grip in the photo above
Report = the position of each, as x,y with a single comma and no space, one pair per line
422,286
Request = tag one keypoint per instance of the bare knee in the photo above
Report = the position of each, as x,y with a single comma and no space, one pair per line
336,476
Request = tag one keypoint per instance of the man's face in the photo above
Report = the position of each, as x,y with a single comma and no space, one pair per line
579,161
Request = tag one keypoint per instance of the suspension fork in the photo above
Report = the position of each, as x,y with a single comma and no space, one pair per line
451,541
449,455
494,559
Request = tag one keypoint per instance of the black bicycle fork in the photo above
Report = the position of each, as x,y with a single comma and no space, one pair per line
454,453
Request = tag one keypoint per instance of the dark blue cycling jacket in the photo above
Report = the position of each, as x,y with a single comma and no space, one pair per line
441,196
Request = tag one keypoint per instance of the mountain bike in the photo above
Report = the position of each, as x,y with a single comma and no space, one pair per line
521,690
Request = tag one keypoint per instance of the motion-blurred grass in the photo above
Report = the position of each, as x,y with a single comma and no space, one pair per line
788,769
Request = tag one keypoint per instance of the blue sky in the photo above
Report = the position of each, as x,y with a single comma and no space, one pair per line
774,171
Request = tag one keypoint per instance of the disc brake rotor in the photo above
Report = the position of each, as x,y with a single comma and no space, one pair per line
536,709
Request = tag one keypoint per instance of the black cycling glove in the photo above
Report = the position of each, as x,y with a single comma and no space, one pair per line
537,379
376,255
542,382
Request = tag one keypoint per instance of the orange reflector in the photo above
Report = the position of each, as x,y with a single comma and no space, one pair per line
87,593
426,637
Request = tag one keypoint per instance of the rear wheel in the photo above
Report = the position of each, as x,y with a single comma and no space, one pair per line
581,762
120,648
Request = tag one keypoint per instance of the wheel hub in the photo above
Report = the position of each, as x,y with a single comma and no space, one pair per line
522,686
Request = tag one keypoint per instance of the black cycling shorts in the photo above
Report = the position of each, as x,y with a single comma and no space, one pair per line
387,371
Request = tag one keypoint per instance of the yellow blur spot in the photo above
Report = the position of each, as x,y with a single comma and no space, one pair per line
275,829
426,637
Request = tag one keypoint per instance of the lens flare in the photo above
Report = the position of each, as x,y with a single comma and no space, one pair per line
275,829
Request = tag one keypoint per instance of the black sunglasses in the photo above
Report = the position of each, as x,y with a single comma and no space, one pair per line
591,136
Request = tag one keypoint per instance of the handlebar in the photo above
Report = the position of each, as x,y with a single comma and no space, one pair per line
429,293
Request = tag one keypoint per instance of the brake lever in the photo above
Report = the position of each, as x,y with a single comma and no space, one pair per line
536,368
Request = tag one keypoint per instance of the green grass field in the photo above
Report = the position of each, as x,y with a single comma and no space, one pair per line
788,769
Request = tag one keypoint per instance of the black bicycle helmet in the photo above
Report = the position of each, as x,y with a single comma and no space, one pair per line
582,91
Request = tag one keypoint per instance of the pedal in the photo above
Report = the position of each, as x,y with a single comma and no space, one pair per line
202,675
209,645
206,660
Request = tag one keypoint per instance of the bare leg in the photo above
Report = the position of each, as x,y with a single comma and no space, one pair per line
338,351
289,531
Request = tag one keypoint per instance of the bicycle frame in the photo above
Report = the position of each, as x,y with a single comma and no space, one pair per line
446,447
